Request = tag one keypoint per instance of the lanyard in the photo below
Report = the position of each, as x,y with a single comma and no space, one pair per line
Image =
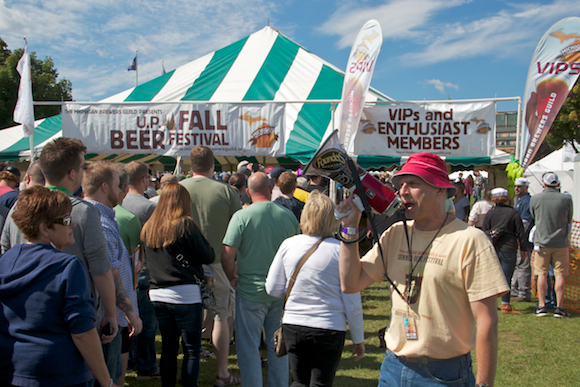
412,267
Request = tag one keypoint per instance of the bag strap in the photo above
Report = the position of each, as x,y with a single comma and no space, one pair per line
299,266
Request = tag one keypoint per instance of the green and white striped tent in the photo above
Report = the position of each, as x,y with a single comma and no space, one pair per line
265,66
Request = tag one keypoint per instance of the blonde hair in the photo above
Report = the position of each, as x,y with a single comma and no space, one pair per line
318,216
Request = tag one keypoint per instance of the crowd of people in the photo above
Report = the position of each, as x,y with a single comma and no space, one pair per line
97,258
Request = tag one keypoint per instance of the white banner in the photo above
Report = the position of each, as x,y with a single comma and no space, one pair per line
357,79
173,129
448,130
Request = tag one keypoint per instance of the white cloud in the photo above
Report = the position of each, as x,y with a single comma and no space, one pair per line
399,19
440,85
429,38
93,41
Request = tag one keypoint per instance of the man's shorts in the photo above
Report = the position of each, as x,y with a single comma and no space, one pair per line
223,293
558,256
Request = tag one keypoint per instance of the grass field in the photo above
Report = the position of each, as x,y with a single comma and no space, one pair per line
533,351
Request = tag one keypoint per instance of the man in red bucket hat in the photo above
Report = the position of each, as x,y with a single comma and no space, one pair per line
447,286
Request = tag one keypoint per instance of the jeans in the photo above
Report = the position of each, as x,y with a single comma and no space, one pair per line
179,321
522,278
477,193
313,354
508,264
143,354
112,352
454,372
251,317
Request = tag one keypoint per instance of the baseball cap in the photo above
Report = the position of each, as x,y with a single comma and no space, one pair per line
522,181
276,172
499,192
429,167
551,179
12,169
242,163
168,178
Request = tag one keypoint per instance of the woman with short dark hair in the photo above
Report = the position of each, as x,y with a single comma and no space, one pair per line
47,319
175,250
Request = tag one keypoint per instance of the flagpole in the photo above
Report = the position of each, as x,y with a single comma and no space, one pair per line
136,68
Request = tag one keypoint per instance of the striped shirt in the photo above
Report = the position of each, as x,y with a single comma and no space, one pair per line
118,255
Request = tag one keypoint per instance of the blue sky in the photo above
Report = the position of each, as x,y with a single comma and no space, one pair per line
432,49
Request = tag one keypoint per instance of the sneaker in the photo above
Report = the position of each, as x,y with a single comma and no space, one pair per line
541,312
560,313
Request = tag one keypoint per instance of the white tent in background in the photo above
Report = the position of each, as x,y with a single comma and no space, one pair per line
560,162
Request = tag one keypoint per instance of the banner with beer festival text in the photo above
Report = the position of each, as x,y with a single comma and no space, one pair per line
448,130
173,129
553,72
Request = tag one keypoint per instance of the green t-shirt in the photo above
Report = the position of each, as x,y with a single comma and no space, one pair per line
257,231
212,205
130,227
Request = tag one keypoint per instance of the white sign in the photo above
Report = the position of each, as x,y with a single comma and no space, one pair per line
174,129
448,130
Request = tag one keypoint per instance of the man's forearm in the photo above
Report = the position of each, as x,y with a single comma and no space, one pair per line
349,266
228,259
486,353
486,341
106,287
122,300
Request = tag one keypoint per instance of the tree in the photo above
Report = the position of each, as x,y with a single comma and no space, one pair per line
566,126
45,85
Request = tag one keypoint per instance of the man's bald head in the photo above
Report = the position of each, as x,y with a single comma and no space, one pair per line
259,185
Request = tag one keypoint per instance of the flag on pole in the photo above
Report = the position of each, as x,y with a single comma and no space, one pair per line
24,110
133,65
163,72
554,69
359,71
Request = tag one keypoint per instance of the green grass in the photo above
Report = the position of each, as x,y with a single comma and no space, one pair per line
533,351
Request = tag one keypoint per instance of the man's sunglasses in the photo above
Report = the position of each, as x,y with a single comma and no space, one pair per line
65,220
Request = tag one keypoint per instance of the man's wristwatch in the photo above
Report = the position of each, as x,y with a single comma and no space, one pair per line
350,230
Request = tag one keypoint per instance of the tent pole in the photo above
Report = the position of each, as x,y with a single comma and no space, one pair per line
518,128
332,183
177,166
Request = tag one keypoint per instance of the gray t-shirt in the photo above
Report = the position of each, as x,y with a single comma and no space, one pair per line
90,243
140,206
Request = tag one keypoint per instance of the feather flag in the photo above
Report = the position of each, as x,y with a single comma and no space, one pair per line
554,69
359,71
24,110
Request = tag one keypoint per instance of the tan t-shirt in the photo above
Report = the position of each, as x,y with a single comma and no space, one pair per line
459,267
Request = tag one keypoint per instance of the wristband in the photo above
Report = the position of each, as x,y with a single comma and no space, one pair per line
110,384
350,230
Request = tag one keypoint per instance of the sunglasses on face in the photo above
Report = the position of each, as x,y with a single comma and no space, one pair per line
65,220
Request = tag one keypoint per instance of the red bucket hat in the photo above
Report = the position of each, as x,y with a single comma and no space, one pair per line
429,167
